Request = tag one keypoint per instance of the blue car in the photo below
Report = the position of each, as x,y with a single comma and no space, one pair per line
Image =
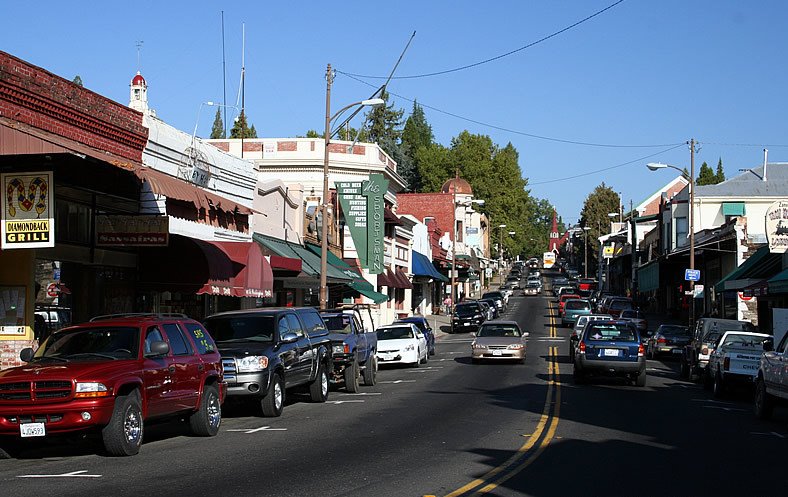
422,324
610,348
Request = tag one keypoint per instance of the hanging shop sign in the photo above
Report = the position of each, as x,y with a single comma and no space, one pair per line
132,231
28,210
363,206
777,227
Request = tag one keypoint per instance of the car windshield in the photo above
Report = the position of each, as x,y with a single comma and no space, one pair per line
499,330
620,304
106,342
737,340
337,323
577,305
673,330
467,309
492,295
419,322
632,314
609,332
241,328
394,333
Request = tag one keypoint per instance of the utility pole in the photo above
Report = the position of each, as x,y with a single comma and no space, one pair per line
324,227
454,243
692,230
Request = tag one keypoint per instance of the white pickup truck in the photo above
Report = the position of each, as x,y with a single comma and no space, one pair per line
735,359
771,384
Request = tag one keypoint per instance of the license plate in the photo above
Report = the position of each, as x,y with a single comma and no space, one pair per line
611,352
32,430
497,352
677,351
467,324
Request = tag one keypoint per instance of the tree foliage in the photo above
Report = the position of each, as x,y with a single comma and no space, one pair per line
241,129
384,121
217,130
594,215
720,176
706,176
77,80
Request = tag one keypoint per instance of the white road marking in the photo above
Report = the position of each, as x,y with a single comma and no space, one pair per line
422,370
338,402
255,430
399,381
362,393
74,474
773,433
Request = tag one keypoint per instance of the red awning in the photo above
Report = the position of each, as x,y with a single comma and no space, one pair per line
285,263
250,273
390,217
172,187
402,279
386,279
235,269
394,279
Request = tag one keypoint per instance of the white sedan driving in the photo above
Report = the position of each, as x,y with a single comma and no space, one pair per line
401,343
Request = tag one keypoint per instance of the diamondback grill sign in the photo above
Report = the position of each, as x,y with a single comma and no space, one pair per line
28,214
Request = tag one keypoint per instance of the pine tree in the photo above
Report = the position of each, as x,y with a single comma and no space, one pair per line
706,176
217,131
384,121
241,129
720,176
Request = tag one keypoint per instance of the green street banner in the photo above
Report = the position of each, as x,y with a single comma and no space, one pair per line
374,189
354,206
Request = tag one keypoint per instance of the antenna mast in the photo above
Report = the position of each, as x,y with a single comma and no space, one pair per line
139,49
243,75
224,83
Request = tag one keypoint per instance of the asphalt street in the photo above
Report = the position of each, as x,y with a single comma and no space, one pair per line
448,428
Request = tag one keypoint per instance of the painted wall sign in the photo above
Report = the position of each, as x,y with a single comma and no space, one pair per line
132,231
28,210
374,189
777,227
354,207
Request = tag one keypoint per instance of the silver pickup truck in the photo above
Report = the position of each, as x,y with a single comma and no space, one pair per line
735,359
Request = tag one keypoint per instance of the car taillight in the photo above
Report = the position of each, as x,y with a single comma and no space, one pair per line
641,350
661,340
347,349
726,364
582,347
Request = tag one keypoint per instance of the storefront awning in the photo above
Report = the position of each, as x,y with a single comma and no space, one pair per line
760,265
401,280
779,283
390,218
310,264
235,269
365,288
172,187
424,267
733,208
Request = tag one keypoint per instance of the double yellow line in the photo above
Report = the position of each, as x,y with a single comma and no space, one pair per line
538,440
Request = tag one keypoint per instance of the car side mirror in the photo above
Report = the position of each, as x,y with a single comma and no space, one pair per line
473,334
768,345
26,354
289,337
526,334
158,348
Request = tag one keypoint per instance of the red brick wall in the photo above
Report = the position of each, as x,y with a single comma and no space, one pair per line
10,349
38,98
421,205
222,145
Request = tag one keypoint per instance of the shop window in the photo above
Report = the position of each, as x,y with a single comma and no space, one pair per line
399,299
681,231
72,222
459,231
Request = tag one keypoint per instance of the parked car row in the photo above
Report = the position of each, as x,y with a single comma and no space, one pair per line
116,373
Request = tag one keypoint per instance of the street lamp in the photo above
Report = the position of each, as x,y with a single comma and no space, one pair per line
653,166
327,136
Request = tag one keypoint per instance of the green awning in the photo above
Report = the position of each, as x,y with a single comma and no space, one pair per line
365,288
733,208
311,261
648,277
760,265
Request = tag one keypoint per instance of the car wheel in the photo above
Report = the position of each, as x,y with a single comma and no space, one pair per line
718,388
318,390
371,371
426,357
417,363
764,403
707,379
641,379
351,377
274,401
685,369
205,422
123,434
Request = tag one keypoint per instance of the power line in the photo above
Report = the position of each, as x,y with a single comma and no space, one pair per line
513,131
492,59
589,173
744,145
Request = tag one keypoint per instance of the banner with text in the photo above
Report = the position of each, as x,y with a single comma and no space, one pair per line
374,189
354,206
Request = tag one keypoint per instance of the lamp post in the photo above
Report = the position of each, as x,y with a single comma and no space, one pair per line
324,208
500,254
653,166
585,251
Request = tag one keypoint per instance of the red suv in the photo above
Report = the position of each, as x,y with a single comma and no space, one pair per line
111,375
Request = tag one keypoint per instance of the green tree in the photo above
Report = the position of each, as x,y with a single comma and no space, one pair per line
217,130
416,134
706,176
598,204
240,128
434,166
720,176
77,80
313,134
384,121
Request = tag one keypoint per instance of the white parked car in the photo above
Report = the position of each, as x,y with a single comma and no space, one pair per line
736,358
401,343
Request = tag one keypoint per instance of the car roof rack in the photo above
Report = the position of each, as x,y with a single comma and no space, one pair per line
127,315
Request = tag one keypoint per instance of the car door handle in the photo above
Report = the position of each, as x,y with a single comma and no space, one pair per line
172,369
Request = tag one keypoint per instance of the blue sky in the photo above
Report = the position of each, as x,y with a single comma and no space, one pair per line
642,73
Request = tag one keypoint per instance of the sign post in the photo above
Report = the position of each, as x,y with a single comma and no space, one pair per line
692,275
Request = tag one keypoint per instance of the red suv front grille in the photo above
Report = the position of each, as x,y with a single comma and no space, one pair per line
35,390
